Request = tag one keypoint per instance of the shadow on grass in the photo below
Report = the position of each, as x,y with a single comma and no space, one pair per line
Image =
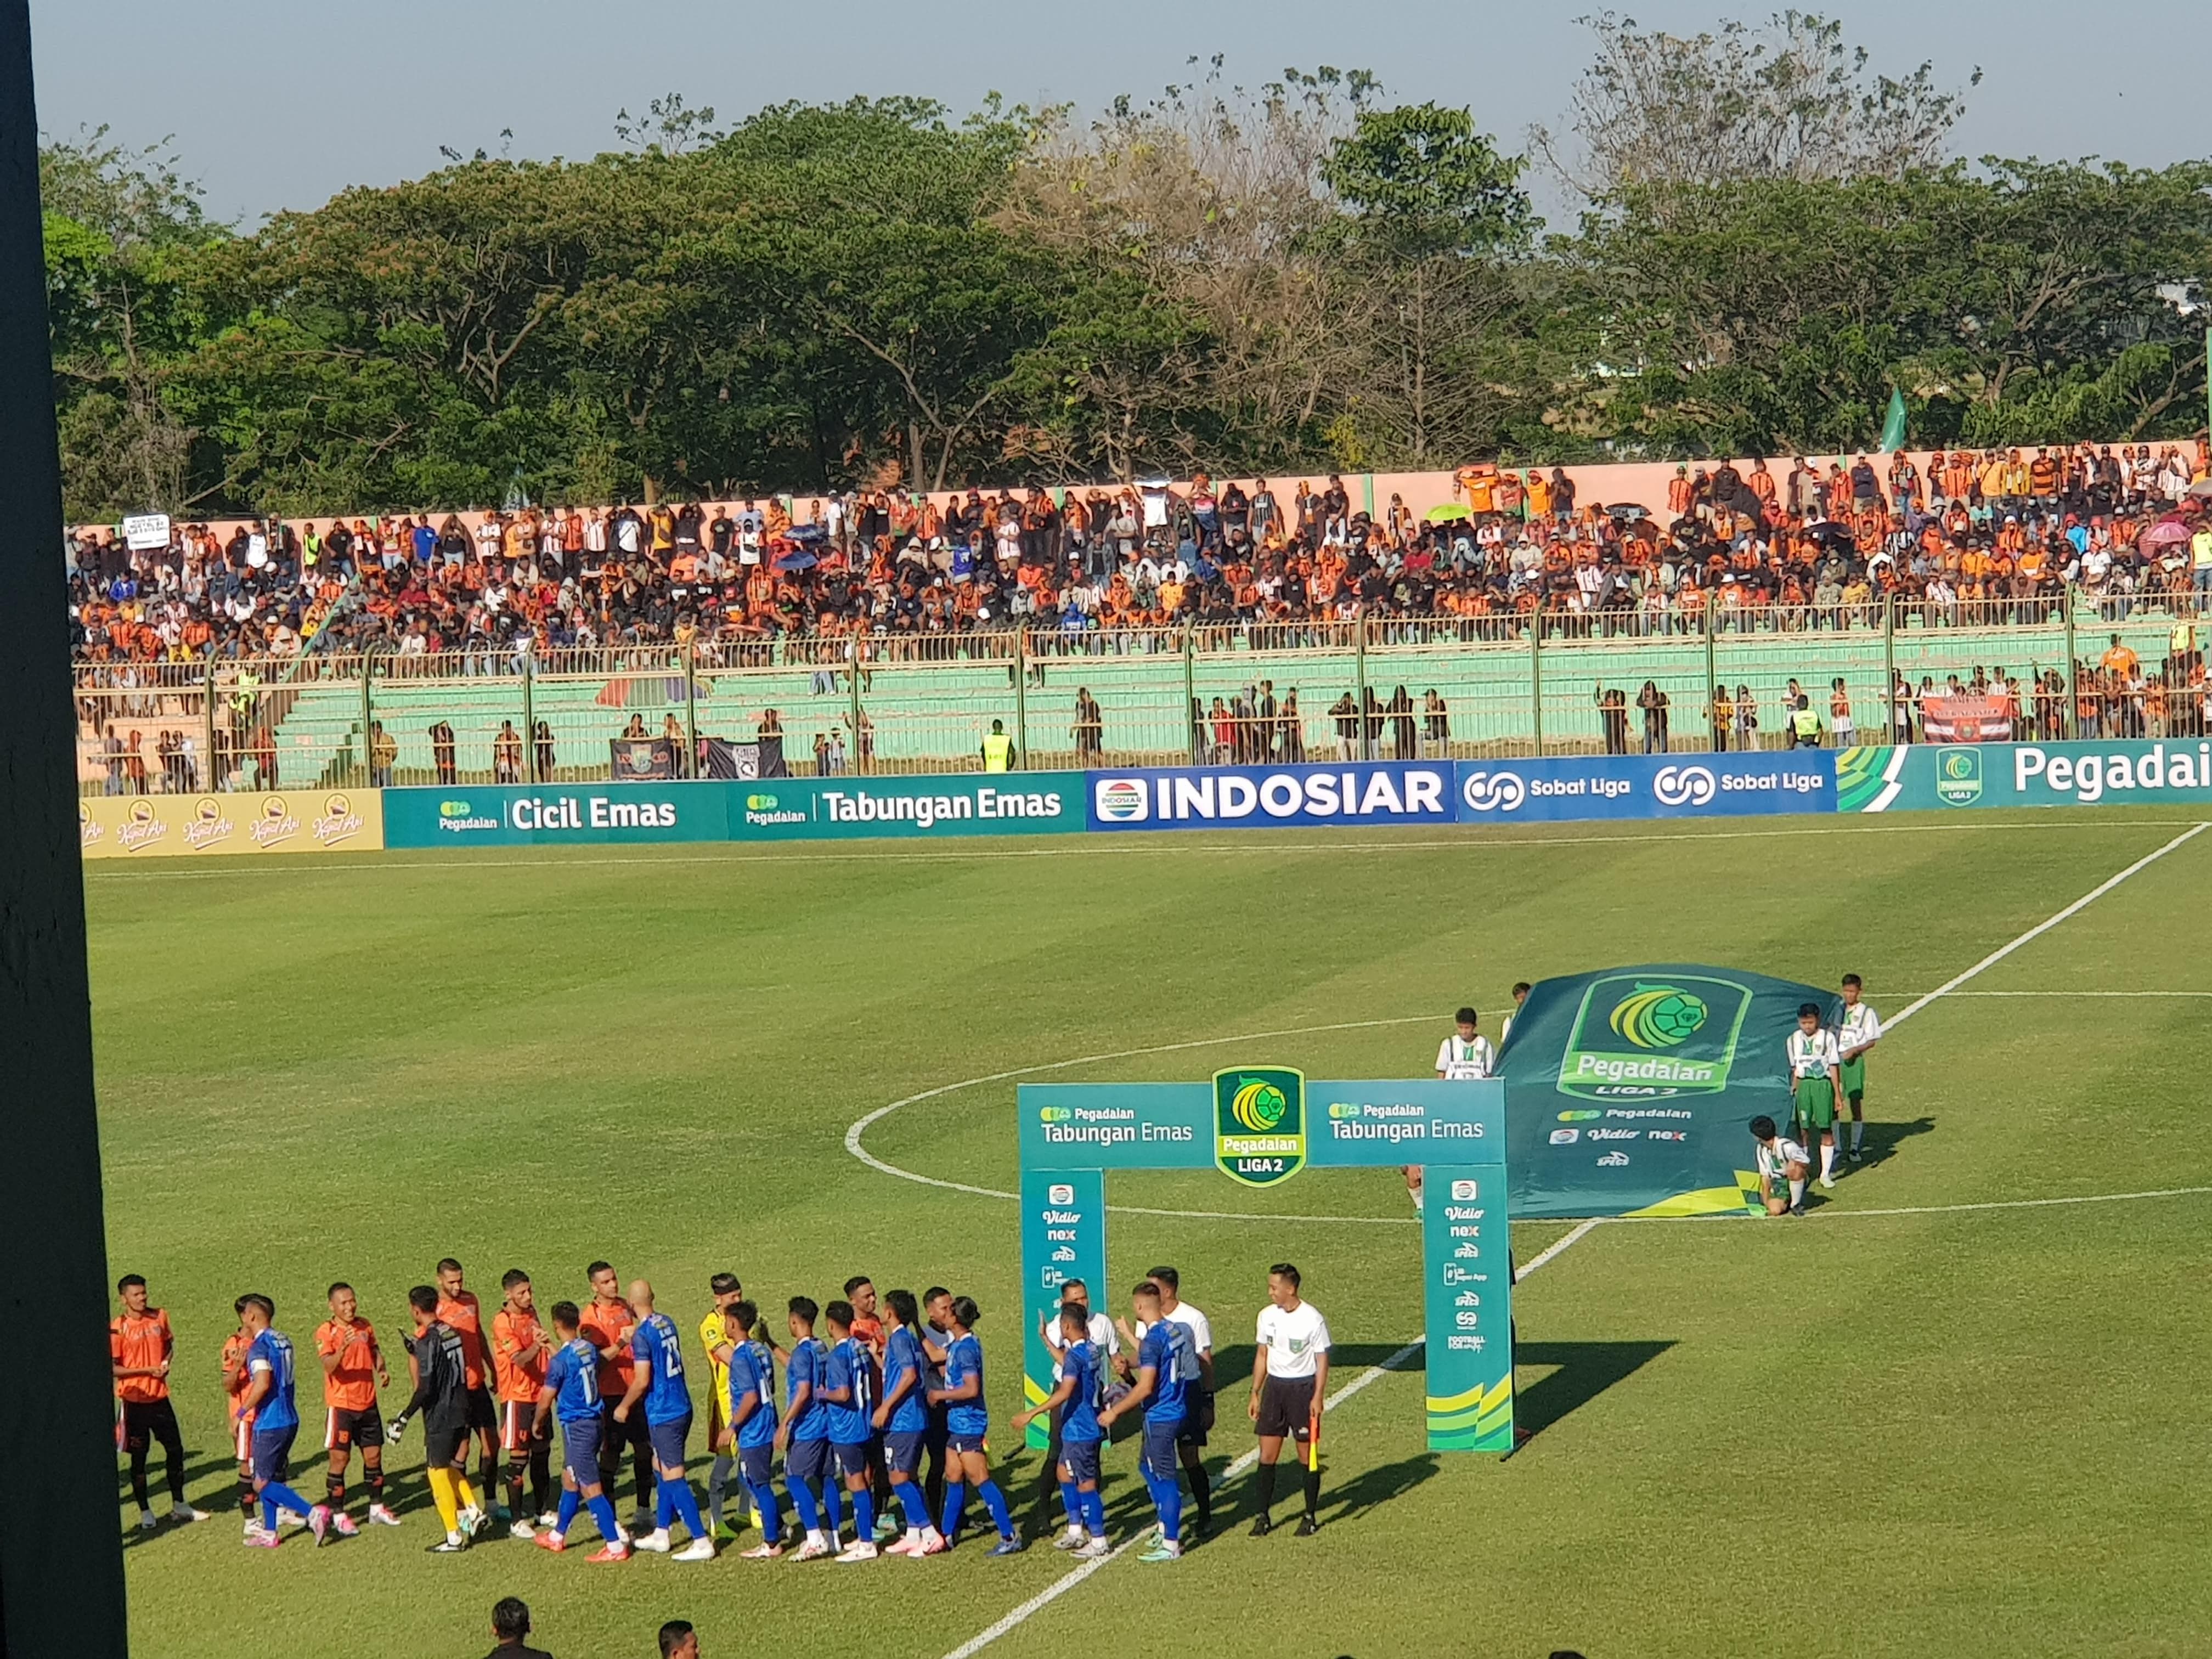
1585,1370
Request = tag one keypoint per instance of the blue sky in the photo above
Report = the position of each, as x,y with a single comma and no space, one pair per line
275,104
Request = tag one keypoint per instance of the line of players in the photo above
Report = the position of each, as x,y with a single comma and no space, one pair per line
895,1381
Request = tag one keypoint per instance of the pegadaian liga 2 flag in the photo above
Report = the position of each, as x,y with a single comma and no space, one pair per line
1627,1092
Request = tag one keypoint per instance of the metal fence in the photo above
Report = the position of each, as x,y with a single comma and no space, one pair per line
1430,688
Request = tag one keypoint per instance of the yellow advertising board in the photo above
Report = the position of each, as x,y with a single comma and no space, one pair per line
193,826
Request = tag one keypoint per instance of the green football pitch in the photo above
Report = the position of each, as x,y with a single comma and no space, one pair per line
1944,1413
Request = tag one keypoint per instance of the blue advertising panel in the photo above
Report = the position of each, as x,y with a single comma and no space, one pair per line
1561,788
1291,797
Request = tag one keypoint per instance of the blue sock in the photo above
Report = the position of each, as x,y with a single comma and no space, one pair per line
769,1507
833,1505
1170,1502
956,1500
995,1501
603,1513
910,1503
275,1496
677,1494
571,1501
663,1511
864,1516
802,1499
1094,1512
1072,1501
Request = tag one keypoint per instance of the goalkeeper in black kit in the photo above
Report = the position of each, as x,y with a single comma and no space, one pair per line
442,1399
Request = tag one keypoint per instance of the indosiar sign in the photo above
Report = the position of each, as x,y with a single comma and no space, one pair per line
1645,786
2119,773
1266,797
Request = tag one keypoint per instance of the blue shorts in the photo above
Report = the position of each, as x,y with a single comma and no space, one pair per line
1161,1459
580,1448
1081,1457
806,1462
759,1463
903,1450
668,1440
962,1443
854,1457
272,1452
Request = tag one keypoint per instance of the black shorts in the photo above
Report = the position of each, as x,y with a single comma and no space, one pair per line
1198,1421
147,1421
1285,1408
444,1447
483,1415
350,1428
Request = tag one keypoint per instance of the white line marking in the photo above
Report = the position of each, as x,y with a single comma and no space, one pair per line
853,1143
1086,846
1060,1586
2043,928
2019,1203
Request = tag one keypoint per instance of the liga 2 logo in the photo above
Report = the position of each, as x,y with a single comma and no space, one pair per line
1260,1123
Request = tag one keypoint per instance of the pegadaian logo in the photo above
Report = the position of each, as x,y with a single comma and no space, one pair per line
1658,1016
1054,1114
452,809
760,803
1259,1123
1582,1115
1958,776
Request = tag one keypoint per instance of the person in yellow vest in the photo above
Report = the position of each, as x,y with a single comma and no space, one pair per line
1805,723
998,749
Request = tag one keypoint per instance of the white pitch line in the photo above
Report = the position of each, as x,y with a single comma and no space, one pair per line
2016,1203
2043,928
1089,846
1060,1586
853,1142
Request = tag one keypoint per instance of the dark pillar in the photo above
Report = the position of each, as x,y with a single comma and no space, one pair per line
61,1555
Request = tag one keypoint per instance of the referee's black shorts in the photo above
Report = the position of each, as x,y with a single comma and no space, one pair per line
1286,1407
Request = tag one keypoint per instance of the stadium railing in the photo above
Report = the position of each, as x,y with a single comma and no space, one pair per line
1512,685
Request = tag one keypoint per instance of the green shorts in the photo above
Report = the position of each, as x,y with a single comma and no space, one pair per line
1854,1074
1816,1102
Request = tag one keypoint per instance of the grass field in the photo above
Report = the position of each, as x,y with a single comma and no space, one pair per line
1905,1425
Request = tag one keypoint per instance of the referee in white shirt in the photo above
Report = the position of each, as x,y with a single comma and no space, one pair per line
1290,1381
1099,1331
1198,1382
1465,1054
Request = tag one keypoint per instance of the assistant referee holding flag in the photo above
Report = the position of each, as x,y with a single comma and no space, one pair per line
1290,1380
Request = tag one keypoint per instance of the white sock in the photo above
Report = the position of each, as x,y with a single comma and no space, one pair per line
1796,1193
1858,1133
1827,1159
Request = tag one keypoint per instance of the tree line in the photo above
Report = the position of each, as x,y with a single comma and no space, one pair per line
1302,276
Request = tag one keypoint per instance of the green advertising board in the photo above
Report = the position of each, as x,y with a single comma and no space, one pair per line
1261,1125
905,808
1929,777
770,809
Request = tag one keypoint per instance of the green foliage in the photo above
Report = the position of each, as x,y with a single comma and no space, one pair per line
1292,278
